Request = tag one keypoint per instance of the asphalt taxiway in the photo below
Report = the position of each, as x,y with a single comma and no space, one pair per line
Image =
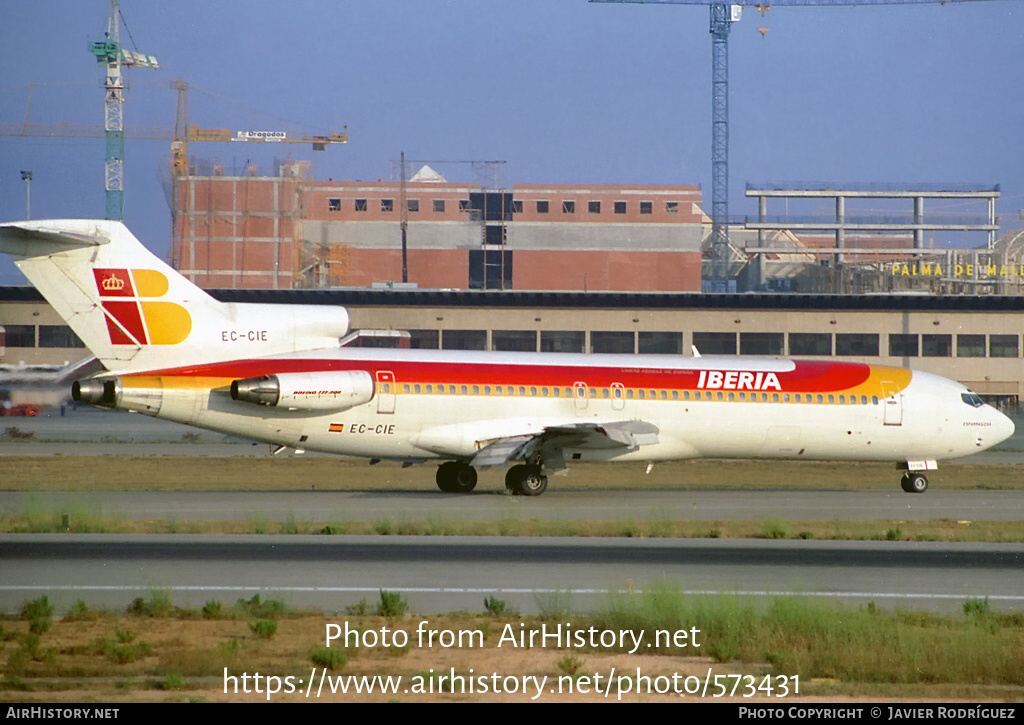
531,574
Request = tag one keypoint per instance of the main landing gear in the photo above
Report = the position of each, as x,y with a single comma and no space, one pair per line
914,482
526,480
522,480
456,477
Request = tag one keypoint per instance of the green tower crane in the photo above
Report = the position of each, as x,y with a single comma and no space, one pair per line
109,53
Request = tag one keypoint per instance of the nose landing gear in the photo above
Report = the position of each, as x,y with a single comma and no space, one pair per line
914,482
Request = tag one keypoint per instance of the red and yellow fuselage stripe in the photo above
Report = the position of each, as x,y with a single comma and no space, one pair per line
805,377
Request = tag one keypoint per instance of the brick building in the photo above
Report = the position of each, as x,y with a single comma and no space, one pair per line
289,231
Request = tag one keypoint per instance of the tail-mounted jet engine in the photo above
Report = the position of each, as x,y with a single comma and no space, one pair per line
103,392
306,391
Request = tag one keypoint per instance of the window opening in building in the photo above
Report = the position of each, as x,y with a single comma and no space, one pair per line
970,346
810,343
936,345
903,345
854,343
998,345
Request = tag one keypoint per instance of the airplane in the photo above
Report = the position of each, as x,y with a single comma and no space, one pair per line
278,373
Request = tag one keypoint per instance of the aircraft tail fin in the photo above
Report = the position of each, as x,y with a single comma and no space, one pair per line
134,312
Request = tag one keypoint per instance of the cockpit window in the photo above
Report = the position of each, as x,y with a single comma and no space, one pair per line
972,400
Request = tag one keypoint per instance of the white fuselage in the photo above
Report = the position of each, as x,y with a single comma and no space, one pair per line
431,404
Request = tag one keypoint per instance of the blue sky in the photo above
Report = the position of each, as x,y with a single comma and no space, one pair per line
563,90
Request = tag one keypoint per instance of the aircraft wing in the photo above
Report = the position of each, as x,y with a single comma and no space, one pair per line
627,435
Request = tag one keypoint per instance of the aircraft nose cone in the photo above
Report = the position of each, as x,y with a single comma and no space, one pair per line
1004,428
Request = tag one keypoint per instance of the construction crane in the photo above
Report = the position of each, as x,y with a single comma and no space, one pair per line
180,136
723,15
109,52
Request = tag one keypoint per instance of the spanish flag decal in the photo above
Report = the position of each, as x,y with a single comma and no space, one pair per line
134,316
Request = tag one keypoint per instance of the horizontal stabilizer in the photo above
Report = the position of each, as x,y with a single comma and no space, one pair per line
24,239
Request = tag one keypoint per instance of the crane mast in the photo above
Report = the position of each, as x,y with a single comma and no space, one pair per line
110,53
723,15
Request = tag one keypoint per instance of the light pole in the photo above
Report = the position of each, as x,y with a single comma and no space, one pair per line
26,176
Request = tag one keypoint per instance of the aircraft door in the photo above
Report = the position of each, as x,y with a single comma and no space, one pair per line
386,389
618,396
579,394
893,403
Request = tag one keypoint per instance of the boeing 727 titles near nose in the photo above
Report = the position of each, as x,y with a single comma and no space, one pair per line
278,373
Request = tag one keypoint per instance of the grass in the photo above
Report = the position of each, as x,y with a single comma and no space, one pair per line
836,651
852,530
816,640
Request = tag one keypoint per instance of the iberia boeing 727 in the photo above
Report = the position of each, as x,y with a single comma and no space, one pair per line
278,373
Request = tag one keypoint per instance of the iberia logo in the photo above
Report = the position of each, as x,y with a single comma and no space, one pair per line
134,316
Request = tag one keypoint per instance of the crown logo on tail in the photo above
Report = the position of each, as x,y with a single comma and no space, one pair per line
112,284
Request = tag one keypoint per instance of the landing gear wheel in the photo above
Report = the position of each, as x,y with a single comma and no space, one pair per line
456,477
526,480
914,483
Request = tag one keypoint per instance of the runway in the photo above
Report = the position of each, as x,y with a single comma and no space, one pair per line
533,575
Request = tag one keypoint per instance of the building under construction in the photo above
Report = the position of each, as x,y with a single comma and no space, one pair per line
236,228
